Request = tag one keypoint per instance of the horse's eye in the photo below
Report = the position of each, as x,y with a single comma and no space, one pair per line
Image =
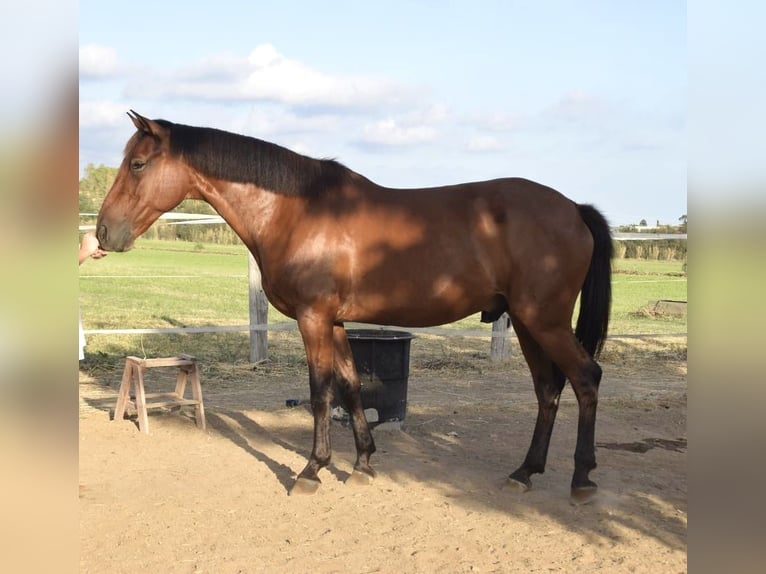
137,165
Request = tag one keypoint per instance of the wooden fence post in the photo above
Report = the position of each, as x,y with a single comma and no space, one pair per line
500,348
259,312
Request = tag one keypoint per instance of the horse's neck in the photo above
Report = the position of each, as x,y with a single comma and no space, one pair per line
249,210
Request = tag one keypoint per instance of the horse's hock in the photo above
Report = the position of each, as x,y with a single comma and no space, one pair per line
382,360
132,389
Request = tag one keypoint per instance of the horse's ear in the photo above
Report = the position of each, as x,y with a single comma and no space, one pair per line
146,125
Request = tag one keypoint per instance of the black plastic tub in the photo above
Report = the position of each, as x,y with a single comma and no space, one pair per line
382,359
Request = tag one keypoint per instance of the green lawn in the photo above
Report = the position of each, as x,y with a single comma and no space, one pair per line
635,282
163,284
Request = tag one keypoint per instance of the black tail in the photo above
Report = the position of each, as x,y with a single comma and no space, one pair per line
596,296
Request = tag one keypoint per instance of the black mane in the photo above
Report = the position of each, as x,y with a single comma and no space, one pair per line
244,159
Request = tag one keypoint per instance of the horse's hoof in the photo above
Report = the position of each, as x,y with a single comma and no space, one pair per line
518,485
304,486
361,478
583,494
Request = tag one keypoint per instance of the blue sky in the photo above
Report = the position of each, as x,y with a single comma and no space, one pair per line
588,97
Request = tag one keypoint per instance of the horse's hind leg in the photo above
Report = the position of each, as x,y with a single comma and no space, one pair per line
548,381
349,387
584,374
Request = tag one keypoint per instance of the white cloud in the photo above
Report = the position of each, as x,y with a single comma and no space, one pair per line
265,122
496,121
435,113
220,67
267,75
102,114
391,133
412,128
273,76
484,144
577,106
571,109
97,61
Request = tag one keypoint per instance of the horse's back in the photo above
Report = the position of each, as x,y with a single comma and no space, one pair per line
505,215
494,218
514,197
454,249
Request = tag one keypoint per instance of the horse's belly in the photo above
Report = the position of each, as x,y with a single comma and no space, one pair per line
413,304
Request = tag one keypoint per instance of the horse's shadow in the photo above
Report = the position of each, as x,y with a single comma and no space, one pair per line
434,456
241,430
246,431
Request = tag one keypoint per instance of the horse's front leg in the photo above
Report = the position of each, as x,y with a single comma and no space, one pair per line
318,341
349,387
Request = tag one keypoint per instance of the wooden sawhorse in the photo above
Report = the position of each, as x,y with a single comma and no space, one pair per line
133,379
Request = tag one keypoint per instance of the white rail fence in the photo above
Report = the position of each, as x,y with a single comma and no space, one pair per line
500,335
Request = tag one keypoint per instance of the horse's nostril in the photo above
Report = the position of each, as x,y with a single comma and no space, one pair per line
101,234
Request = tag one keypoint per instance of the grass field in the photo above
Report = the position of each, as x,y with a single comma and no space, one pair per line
162,284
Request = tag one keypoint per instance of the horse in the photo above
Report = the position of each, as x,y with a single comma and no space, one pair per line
335,247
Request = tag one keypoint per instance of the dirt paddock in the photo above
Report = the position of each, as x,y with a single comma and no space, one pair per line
215,501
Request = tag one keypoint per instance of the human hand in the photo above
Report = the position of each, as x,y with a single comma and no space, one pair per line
89,247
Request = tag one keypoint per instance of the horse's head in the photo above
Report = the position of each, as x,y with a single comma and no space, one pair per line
150,182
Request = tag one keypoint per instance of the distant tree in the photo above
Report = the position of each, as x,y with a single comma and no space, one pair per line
94,186
195,206
682,227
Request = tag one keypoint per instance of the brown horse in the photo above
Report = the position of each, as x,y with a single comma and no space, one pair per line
333,247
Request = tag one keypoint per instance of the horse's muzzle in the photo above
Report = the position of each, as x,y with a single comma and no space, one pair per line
115,237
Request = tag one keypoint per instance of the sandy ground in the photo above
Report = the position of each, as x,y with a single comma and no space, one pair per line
215,501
